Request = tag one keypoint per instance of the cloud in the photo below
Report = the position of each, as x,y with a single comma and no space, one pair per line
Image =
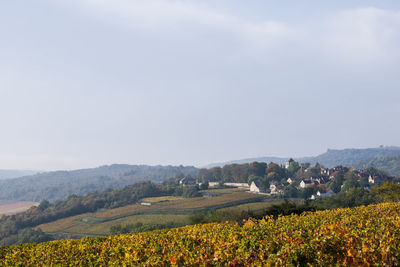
356,37
176,77
364,35
156,15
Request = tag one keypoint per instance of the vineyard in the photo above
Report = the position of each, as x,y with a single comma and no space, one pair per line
162,210
358,236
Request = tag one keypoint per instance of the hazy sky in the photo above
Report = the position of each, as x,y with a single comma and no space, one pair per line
92,82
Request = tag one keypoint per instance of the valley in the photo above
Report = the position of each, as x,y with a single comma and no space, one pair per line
169,210
10,207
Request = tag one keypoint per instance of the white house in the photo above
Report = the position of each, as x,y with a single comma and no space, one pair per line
287,164
187,181
254,188
212,184
305,183
273,189
290,180
319,194
243,185
371,180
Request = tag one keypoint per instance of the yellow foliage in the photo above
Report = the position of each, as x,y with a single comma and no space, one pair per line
357,237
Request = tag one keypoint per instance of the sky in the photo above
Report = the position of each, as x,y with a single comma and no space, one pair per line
85,83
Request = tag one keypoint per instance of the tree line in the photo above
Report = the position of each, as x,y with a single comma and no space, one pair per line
13,226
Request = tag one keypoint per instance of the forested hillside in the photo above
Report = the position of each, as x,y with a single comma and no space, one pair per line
61,184
347,157
389,164
358,158
277,160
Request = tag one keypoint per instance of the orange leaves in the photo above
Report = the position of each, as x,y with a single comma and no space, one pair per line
250,223
172,260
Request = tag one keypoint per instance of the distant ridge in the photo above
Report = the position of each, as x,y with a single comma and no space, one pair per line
331,158
348,157
57,185
277,160
389,164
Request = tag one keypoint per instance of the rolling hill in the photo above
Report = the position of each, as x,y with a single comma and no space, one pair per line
390,164
358,158
348,157
61,184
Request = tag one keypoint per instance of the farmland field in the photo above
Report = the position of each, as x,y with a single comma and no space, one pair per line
163,210
256,206
103,228
13,208
161,199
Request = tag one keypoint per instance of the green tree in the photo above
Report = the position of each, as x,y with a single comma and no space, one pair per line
44,204
349,183
291,191
375,172
257,168
204,186
217,174
190,191
388,192
337,183
307,192
254,178
351,174
294,166
364,182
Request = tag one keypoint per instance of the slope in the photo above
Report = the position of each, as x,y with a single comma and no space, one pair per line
331,158
61,184
346,237
389,164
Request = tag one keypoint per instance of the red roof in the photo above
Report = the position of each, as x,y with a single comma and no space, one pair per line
334,173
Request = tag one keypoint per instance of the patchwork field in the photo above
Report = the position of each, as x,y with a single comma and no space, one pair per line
103,228
163,210
161,199
256,206
13,208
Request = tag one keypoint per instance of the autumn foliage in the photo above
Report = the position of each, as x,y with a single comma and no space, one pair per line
356,236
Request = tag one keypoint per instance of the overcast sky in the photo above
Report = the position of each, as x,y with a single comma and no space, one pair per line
92,82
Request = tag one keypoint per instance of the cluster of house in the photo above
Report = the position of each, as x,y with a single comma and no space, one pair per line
326,175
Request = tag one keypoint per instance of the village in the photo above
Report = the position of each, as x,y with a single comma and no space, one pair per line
311,182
